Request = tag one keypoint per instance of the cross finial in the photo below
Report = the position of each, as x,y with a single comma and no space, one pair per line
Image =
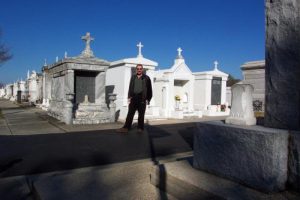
140,46
216,65
87,52
179,50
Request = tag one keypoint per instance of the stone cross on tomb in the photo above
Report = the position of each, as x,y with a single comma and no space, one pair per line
216,65
179,50
140,46
87,52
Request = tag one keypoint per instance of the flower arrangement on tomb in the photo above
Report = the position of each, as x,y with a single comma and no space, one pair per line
223,107
177,97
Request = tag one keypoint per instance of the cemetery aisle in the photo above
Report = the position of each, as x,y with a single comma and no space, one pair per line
31,142
23,120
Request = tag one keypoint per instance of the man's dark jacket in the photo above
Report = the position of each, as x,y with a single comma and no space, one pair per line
147,87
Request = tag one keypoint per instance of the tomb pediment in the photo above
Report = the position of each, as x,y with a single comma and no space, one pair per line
79,63
212,73
148,64
182,69
178,71
132,62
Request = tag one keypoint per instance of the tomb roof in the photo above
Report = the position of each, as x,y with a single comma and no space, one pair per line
136,60
260,64
214,72
81,60
139,59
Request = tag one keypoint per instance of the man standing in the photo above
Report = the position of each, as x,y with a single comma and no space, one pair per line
139,95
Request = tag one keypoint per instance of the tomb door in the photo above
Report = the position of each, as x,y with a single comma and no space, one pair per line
216,90
85,85
19,96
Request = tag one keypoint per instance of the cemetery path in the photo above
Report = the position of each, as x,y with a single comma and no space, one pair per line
37,145
30,154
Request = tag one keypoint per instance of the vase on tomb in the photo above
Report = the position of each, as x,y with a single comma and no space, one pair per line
177,102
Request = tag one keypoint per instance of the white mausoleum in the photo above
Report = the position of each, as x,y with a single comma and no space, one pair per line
177,91
118,77
176,82
210,91
8,91
2,92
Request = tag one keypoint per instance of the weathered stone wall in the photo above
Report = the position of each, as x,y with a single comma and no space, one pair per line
294,161
254,74
253,155
283,64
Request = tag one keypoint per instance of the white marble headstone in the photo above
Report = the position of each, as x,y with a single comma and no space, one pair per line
241,112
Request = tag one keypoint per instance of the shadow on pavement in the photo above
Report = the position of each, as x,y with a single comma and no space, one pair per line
31,154
51,152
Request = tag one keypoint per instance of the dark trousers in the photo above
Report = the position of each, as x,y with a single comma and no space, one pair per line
136,104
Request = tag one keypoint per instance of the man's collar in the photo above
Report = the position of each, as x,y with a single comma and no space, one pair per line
140,75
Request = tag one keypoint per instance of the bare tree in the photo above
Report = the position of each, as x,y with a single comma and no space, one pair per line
5,55
231,81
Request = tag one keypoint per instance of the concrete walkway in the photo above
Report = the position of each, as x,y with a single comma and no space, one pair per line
44,159
17,120
34,145
32,142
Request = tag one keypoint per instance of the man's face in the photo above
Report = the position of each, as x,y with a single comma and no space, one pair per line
139,70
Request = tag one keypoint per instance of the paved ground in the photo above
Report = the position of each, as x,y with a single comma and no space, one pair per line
32,142
42,158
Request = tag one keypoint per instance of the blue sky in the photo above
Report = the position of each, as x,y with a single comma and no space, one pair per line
231,32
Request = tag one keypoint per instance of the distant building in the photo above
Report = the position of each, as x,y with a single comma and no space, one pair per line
254,74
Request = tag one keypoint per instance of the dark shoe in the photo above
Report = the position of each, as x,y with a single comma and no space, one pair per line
140,130
122,130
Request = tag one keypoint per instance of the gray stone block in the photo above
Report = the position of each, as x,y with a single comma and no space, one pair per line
15,188
255,156
182,181
294,161
282,64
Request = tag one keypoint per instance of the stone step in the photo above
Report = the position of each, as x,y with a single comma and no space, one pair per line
182,181
106,177
15,188
126,181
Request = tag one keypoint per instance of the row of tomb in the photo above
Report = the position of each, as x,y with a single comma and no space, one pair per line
88,90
